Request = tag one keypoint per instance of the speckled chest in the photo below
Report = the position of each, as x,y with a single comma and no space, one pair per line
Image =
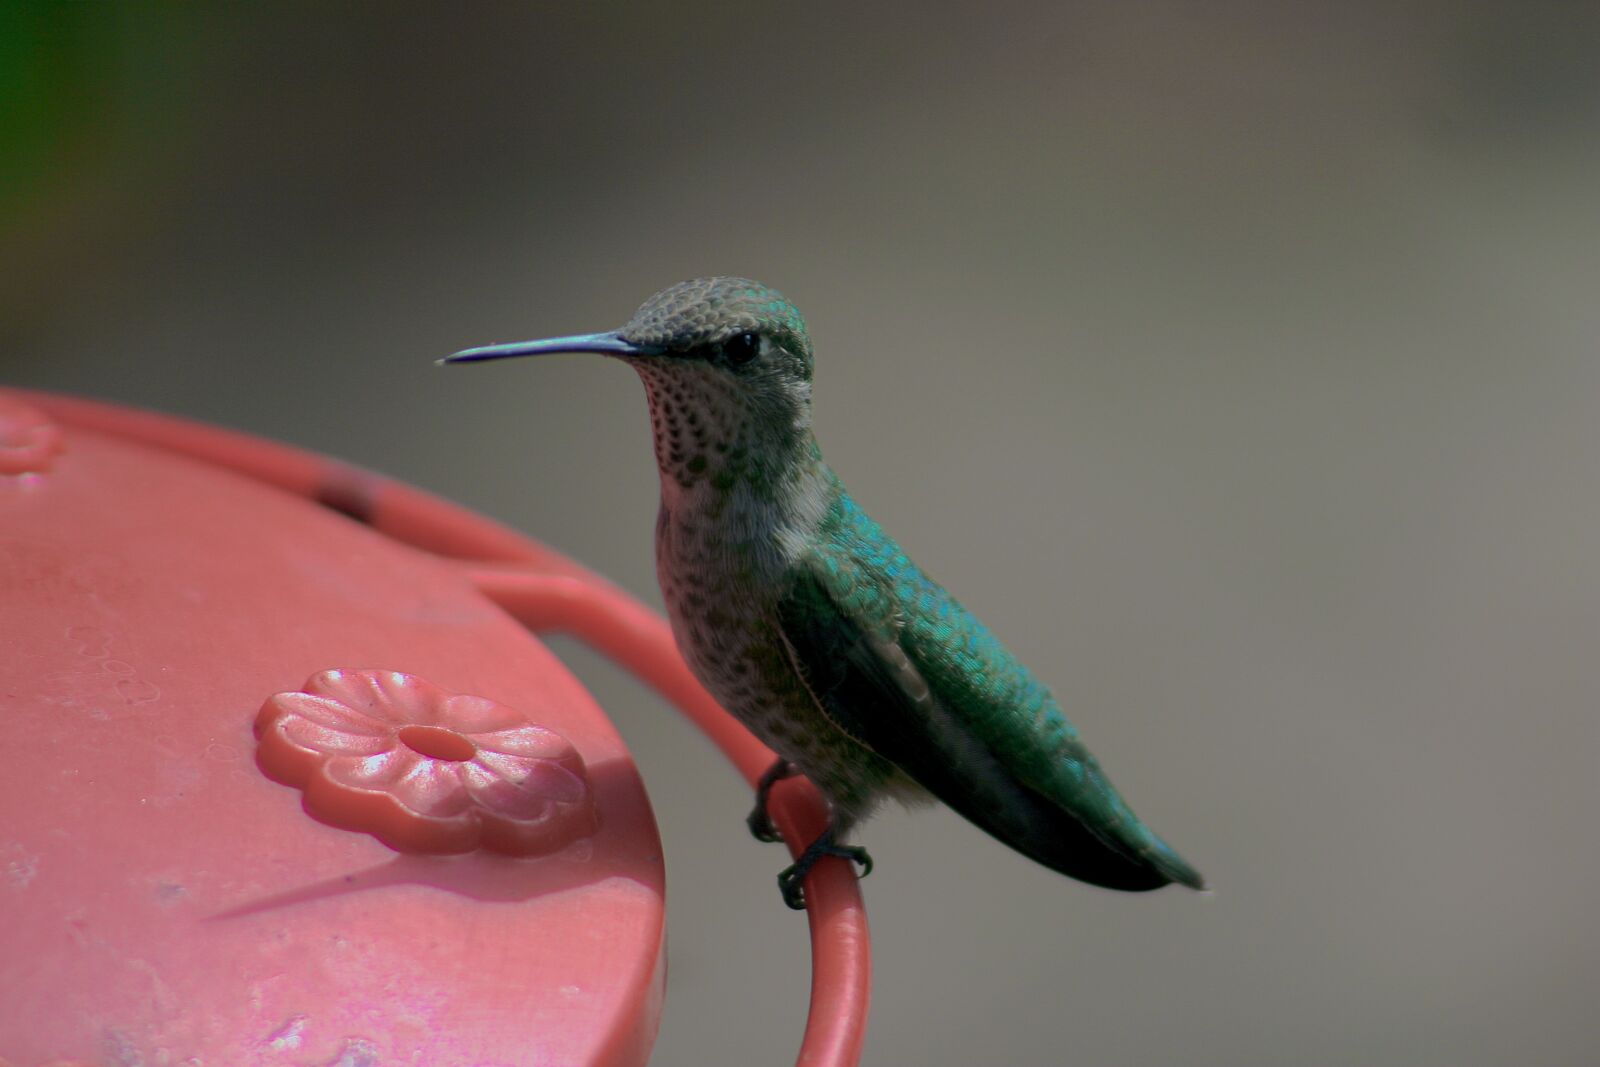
720,589
722,607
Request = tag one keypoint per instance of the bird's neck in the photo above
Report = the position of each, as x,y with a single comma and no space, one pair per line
754,483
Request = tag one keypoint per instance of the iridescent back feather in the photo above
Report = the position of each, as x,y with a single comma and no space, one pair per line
983,685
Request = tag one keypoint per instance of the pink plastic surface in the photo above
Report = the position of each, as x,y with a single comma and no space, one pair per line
170,895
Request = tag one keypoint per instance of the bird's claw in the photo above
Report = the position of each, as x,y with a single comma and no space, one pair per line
791,879
759,822
761,827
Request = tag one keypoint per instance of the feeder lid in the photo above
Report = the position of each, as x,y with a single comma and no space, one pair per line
279,789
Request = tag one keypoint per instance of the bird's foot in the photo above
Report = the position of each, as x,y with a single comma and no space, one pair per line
759,821
790,879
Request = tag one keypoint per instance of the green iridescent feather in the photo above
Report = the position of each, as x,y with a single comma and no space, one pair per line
900,665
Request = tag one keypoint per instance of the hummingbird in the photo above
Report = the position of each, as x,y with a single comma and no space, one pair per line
809,624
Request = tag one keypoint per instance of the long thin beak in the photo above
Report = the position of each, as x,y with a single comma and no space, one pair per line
605,343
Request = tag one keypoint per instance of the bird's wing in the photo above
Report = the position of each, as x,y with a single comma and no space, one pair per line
926,687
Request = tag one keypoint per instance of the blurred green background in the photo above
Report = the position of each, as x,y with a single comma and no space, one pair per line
1236,363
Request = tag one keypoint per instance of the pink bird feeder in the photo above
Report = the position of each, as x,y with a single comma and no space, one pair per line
284,788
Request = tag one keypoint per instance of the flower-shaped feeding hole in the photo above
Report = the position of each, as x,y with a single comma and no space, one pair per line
436,742
423,769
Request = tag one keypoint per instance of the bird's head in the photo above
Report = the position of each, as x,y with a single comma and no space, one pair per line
735,324
726,363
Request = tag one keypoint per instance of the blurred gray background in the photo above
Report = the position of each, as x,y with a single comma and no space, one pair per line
1237,364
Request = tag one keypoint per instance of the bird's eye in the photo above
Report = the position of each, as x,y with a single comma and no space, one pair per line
741,349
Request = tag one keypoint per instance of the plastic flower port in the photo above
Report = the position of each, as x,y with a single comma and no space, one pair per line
423,769
29,440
